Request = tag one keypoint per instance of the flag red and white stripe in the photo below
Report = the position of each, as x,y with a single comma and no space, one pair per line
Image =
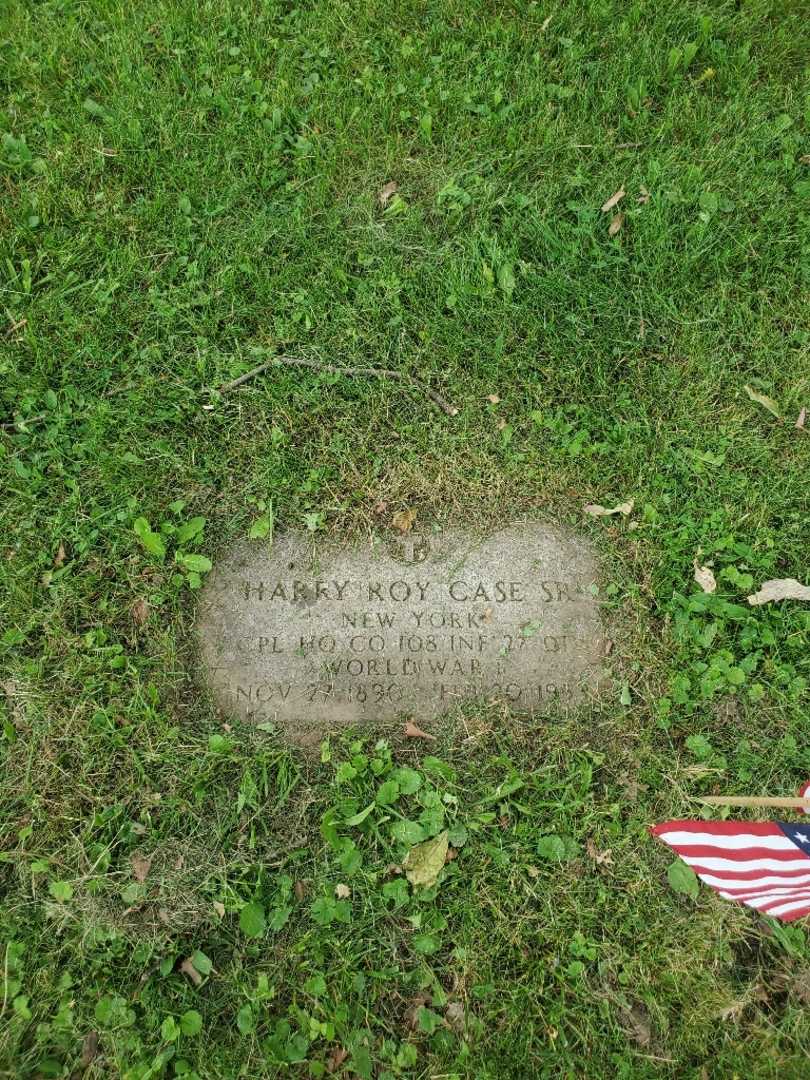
765,865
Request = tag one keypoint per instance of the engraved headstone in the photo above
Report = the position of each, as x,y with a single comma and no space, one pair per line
309,636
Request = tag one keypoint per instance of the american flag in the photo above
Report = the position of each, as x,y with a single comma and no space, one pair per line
764,864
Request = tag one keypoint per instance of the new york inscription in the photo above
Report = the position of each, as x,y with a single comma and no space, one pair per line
311,637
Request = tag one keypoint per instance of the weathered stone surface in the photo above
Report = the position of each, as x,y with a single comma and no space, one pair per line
310,636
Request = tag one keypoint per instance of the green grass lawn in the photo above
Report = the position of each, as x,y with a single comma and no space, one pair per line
187,189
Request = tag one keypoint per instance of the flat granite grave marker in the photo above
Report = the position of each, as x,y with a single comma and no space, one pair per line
310,636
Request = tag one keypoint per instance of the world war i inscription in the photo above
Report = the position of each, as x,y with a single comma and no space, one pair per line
308,636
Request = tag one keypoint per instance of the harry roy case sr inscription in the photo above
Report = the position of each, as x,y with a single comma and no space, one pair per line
310,636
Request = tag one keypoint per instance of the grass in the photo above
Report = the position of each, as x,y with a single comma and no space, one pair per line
188,187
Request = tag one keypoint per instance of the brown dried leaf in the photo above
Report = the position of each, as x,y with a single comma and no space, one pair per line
455,1018
140,611
59,557
140,866
89,1049
219,908
403,520
705,578
414,732
342,892
733,1011
779,589
800,987
336,1059
801,418
300,891
616,223
599,857
188,969
493,399
417,1002
614,199
450,854
386,193
637,1020
595,510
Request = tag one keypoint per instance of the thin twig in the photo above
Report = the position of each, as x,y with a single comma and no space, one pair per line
7,425
349,372
755,800
5,979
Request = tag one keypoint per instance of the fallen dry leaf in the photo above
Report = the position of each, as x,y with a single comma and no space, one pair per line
387,192
403,520
454,1017
336,1059
219,908
414,732
800,987
632,788
493,399
300,891
59,557
763,400
779,589
637,1020
599,857
342,892
140,866
450,855
614,199
801,418
89,1051
644,195
733,1011
595,510
501,424
140,611
705,578
392,868
188,969
424,862
417,1002
616,223
698,771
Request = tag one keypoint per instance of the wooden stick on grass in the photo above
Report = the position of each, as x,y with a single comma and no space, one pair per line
756,800
349,372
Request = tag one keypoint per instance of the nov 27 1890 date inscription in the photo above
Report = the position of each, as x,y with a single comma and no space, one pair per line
310,638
